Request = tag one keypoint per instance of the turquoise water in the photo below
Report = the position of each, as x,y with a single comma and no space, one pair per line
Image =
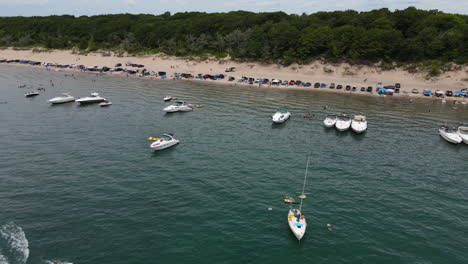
80,184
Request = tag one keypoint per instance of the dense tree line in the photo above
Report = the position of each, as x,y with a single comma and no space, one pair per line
409,35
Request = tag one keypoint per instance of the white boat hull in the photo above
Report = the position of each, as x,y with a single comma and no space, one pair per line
329,122
342,125
279,117
61,100
163,144
453,138
464,136
359,126
298,227
175,108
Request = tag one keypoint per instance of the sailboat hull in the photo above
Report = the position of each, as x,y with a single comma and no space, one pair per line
297,226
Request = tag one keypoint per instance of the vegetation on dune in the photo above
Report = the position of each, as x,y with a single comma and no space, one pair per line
427,39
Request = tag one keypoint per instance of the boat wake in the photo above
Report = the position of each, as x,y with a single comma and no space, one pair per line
14,247
56,262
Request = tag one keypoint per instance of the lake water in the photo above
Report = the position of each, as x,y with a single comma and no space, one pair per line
81,185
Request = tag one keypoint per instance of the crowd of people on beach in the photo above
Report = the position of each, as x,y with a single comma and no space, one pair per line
139,70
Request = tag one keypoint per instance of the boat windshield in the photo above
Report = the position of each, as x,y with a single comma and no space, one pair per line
463,130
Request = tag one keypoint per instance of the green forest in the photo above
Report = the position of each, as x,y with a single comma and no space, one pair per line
410,35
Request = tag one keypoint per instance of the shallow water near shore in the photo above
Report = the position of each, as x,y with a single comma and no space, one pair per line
80,184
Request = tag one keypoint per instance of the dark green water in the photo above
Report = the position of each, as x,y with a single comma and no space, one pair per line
80,184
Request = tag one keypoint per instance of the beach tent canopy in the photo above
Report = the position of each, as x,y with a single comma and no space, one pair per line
459,92
381,89
390,91
275,81
439,92
427,91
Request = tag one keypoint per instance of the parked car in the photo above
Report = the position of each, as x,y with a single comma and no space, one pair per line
339,86
449,93
353,89
363,89
348,87
397,85
369,89
397,90
323,85
415,91
118,65
230,69
316,85
332,86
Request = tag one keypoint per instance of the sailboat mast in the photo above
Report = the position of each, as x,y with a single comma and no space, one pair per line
303,186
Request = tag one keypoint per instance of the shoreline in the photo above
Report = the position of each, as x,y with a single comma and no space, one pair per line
454,81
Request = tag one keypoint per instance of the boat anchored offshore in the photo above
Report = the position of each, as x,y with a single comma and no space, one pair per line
296,219
62,99
463,133
166,141
281,115
179,106
330,120
343,122
449,134
31,94
94,98
167,98
359,124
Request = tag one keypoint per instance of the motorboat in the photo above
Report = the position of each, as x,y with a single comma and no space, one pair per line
449,134
62,99
463,133
330,120
281,115
359,124
343,122
105,103
166,141
167,98
31,94
94,98
179,106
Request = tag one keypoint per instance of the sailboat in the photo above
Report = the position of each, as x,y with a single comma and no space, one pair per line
296,219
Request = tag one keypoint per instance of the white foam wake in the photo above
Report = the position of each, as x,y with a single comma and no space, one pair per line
56,262
14,246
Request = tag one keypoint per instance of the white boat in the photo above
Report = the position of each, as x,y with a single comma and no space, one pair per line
343,122
281,115
463,133
179,106
359,124
94,98
296,219
31,94
167,98
105,103
330,120
62,99
166,141
449,134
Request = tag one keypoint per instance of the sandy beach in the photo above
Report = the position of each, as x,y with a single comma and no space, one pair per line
343,74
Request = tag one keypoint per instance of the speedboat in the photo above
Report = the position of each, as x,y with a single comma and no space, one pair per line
297,223
167,98
31,94
343,122
463,133
62,99
179,106
359,124
449,134
105,103
166,141
330,120
281,116
94,98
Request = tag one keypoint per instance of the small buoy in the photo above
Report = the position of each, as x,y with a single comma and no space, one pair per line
269,208
329,227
